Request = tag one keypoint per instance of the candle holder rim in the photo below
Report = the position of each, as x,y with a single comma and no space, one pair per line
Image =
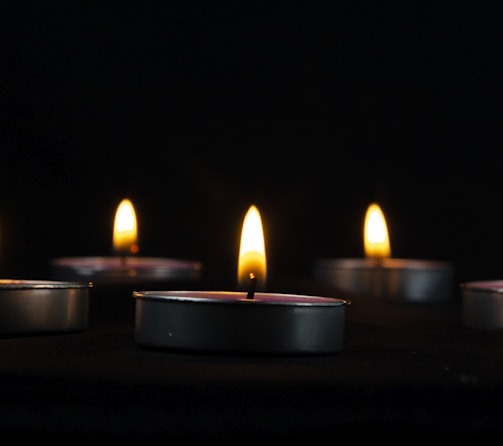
25,284
484,286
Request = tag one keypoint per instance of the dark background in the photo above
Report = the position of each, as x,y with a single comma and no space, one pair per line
195,110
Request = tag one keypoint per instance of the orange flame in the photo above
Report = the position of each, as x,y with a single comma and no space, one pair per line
375,234
125,236
252,257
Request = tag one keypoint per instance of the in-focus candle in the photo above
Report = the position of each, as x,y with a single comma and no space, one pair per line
241,322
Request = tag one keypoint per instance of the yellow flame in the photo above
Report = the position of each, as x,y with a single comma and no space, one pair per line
252,258
125,236
375,233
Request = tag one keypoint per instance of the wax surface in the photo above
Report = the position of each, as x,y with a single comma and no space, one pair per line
234,297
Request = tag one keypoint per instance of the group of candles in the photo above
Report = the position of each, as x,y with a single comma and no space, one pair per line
248,320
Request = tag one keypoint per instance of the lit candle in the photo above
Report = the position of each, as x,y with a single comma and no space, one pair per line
246,322
42,306
379,275
126,267
114,277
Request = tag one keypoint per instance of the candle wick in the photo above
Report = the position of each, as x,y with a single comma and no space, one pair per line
251,290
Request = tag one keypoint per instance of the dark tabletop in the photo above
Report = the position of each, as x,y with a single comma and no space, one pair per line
405,370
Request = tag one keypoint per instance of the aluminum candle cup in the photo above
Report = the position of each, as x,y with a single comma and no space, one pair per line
401,280
37,307
229,322
482,304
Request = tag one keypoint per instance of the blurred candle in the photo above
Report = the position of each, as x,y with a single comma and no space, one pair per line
379,275
126,267
115,277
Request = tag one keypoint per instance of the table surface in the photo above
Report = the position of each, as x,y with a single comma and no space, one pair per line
404,369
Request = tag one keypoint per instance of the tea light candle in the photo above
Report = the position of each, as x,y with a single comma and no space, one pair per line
126,268
230,322
247,322
42,306
482,304
378,275
115,277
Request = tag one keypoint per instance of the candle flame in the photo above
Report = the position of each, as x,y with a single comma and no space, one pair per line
125,236
375,234
252,258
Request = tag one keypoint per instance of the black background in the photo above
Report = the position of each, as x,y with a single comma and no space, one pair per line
195,110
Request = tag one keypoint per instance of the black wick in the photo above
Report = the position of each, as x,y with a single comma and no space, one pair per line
251,290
